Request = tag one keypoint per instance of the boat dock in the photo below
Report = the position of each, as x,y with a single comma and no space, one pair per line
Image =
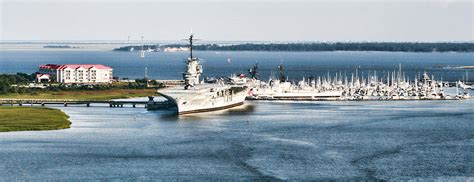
67,102
350,99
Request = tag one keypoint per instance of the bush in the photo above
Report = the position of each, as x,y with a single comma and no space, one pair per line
4,87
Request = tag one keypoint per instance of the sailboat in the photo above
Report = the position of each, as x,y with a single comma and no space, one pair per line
142,51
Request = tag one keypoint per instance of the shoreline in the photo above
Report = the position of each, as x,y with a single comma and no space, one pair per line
15,118
90,95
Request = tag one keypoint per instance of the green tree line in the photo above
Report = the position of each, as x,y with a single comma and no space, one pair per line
7,80
356,46
15,83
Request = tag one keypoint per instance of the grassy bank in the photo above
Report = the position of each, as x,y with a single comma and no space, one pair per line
84,94
32,118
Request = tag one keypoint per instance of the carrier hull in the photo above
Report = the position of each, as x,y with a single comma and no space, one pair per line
205,98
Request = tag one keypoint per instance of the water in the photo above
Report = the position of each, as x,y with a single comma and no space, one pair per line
396,140
162,65
366,140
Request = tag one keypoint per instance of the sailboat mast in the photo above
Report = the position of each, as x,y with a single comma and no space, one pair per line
191,46
467,77
142,51
146,73
142,44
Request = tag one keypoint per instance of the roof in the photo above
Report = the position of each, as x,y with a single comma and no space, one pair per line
50,66
42,75
73,66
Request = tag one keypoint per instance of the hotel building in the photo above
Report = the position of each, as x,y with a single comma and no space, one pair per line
75,73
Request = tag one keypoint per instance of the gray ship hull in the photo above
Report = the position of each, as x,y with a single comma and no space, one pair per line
205,98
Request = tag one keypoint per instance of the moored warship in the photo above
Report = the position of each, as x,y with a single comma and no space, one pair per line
196,96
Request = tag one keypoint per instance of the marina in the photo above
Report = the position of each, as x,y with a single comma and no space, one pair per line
392,86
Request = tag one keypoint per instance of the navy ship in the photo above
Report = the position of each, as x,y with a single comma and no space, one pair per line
196,96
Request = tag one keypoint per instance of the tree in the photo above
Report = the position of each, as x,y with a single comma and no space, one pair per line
4,87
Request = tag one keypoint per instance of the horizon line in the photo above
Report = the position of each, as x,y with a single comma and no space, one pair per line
243,41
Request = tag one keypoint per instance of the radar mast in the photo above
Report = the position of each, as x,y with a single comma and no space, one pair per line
193,67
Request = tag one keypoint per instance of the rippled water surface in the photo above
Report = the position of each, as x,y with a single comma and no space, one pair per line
260,140
165,65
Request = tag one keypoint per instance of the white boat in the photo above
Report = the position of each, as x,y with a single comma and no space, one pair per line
281,89
464,86
287,91
196,96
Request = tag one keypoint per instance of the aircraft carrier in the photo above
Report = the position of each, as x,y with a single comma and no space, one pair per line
196,96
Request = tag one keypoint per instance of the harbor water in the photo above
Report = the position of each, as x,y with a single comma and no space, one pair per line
278,140
170,65
396,140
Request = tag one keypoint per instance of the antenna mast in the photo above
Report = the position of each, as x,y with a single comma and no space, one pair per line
191,46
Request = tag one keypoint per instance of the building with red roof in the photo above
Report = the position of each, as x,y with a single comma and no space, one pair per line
77,73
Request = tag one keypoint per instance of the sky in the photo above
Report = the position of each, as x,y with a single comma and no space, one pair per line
244,20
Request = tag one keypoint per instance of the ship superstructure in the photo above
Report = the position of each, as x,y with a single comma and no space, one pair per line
193,68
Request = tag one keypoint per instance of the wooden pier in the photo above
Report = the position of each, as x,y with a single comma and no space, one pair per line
67,102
